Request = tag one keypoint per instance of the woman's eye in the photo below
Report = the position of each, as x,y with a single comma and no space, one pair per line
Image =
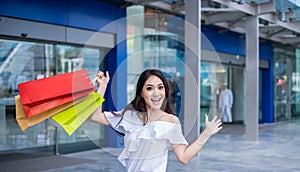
149,88
161,87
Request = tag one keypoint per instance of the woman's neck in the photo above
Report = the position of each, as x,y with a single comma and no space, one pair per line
154,114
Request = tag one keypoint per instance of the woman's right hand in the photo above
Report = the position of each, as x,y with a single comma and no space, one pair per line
213,126
102,81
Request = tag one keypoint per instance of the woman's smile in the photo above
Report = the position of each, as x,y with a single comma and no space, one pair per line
156,101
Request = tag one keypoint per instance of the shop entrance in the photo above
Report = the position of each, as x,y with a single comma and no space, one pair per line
286,85
213,77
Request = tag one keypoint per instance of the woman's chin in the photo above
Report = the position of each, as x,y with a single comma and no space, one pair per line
155,107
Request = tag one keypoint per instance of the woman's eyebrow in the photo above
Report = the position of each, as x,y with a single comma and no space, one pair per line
149,85
153,85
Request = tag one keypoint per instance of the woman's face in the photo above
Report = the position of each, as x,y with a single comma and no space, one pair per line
153,92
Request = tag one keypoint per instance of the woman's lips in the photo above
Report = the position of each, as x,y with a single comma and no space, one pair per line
156,101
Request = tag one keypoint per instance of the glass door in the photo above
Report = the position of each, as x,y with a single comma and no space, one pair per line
213,76
237,85
295,95
22,61
151,43
284,79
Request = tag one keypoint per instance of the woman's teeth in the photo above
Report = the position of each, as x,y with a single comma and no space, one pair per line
155,100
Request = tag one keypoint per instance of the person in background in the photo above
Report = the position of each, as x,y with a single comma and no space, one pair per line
225,103
150,125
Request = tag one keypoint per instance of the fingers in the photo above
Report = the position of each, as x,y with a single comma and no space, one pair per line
214,125
101,79
107,75
214,119
218,121
100,75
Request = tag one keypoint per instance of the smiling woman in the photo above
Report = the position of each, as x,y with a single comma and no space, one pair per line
150,125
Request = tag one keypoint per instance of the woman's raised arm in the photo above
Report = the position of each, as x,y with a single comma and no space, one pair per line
98,115
184,154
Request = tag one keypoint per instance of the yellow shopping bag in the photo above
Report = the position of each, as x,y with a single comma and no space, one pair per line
71,118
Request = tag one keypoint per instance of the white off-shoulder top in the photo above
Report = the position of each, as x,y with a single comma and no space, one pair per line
145,146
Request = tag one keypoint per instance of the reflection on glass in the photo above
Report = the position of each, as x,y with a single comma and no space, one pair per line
213,75
285,73
154,46
295,96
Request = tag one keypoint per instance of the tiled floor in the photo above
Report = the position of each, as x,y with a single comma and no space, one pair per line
278,150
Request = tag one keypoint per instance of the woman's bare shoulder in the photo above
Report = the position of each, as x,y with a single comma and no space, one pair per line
170,118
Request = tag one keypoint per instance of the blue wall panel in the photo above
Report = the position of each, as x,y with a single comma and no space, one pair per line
266,53
85,14
117,68
268,95
49,11
91,14
222,42
230,43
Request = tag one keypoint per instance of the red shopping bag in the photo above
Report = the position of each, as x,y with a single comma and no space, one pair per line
41,95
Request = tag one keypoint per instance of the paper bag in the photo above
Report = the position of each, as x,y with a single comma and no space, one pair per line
41,95
71,118
24,122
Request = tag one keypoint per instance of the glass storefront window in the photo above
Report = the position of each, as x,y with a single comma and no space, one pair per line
19,62
295,97
22,61
213,75
72,58
284,73
152,44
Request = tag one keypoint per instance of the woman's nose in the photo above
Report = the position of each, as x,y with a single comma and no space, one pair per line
156,91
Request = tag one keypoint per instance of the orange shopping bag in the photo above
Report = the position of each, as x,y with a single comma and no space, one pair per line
24,122
44,94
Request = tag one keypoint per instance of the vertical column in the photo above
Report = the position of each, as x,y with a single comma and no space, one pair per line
288,86
191,98
135,25
252,78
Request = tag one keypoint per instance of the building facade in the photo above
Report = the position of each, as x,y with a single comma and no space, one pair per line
42,39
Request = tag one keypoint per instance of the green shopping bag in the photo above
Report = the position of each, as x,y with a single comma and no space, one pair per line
71,118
